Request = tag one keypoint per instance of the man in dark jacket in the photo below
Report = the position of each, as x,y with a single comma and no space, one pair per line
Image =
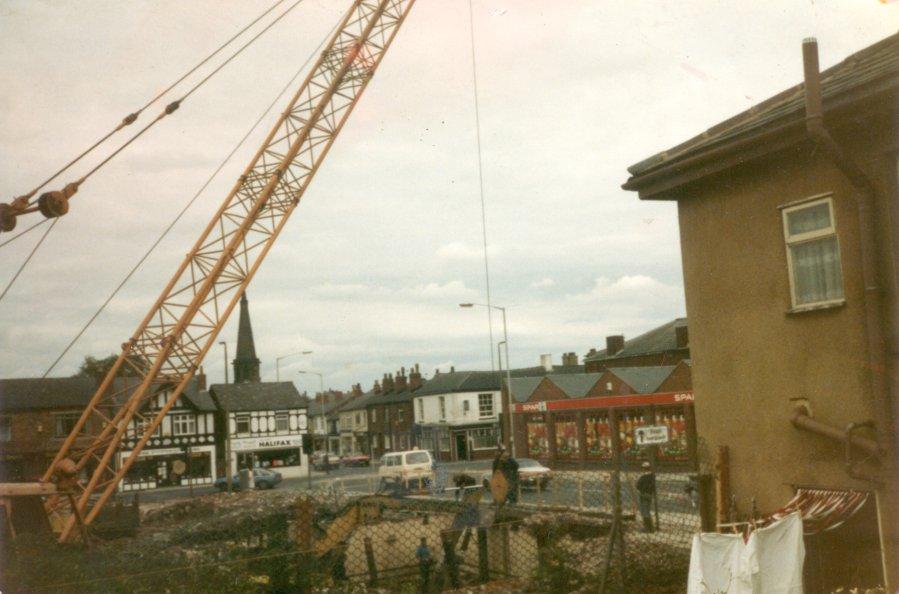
646,489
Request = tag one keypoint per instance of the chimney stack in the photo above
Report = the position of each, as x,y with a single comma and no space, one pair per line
682,337
201,379
387,382
614,344
376,388
546,361
569,359
452,369
357,390
414,378
400,383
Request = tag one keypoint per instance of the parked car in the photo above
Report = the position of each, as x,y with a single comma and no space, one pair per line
318,460
406,468
355,460
262,478
531,473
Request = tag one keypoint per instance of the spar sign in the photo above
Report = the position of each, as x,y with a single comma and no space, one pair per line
651,435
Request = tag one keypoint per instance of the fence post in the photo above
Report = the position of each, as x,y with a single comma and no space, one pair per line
371,487
580,492
539,494
449,557
483,559
370,561
305,514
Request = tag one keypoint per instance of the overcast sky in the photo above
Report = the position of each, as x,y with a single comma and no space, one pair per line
387,240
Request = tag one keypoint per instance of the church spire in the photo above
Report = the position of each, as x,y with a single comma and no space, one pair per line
246,364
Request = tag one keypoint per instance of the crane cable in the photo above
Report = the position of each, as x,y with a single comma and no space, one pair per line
174,105
190,203
130,118
60,199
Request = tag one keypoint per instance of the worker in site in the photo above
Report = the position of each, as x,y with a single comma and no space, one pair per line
646,490
425,561
508,467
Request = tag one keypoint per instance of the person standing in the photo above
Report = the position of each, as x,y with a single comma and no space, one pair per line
646,490
425,560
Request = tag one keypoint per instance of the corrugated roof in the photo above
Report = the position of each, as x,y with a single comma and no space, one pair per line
52,392
258,396
657,340
645,380
874,68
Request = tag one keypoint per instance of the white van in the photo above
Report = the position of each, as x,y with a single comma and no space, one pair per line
409,468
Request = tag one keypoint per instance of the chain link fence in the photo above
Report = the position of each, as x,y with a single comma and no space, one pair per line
577,531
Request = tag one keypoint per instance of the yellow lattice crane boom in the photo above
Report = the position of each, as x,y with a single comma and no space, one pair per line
169,344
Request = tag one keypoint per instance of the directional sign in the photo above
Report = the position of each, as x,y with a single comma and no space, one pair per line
651,435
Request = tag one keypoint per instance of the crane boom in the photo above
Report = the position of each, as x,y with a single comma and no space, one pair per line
169,344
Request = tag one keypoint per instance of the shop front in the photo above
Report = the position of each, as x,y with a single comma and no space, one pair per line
283,454
589,431
181,466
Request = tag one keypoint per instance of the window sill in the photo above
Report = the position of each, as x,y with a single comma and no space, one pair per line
801,309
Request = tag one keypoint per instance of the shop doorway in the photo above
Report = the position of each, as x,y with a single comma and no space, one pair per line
461,447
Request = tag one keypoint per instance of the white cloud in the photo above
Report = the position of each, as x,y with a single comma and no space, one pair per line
543,283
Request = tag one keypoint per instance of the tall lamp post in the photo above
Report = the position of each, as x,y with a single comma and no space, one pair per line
321,384
508,403
227,426
278,362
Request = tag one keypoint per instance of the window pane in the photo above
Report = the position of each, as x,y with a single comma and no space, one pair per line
816,271
808,219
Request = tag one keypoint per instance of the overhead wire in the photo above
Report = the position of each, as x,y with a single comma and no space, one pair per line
129,119
190,203
28,259
15,237
477,119
174,105
167,111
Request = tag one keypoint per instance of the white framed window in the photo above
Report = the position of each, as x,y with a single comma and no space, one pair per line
485,405
358,420
421,411
813,253
282,422
400,415
374,416
466,407
483,439
242,423
442,402
444,442
184,425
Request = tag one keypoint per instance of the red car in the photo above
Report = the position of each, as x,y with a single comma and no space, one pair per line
355,460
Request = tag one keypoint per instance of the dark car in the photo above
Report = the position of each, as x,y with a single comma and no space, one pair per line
263,479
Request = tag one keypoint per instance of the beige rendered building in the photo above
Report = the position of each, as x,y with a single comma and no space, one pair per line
788,218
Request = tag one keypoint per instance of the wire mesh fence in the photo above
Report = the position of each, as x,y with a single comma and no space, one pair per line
578,530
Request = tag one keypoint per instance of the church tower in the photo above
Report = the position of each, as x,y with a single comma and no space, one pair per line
246,364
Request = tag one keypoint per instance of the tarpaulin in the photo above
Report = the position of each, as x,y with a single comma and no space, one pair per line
822,509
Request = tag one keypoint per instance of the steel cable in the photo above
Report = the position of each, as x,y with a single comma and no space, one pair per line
15,237
28,259
190,203
130,118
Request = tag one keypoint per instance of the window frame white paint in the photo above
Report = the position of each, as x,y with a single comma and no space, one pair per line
809,236
492,412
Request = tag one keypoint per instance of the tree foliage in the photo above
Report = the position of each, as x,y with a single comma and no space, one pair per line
98,368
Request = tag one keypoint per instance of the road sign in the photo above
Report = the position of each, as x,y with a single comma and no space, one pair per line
651,434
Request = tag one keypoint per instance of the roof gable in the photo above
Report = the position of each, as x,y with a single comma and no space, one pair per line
644,380
257,396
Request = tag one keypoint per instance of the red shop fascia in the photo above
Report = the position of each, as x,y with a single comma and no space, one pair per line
578,432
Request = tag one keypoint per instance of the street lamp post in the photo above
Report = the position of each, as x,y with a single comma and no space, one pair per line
278,362
227,427
508,404
321,384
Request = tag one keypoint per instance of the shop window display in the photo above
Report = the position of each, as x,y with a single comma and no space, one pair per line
567,445
598,434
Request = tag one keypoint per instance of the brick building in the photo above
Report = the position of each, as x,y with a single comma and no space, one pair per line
664,345
568,420
390,413
36,415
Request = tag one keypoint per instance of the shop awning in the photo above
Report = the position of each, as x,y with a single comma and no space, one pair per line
823,509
